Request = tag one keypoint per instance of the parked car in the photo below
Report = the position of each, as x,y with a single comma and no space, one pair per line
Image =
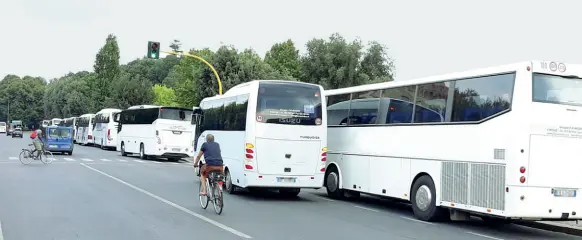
17,132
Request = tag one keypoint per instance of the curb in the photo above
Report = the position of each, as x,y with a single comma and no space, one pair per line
553,228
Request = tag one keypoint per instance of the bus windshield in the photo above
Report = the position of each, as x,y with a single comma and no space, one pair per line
176,114
557,89
2,124
289,103
60,133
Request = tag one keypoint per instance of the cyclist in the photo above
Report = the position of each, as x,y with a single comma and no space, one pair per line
213,159
37,142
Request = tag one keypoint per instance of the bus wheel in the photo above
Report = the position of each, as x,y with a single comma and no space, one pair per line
423,199
332,184
123,153
289,192
230,188
142,154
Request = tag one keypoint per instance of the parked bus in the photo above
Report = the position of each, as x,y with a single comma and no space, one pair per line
3,127
45,123
155,131
105,131
85,129
55,121
71,122
272,134
492,155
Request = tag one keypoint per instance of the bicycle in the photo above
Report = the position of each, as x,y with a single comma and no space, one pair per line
26,155
214,182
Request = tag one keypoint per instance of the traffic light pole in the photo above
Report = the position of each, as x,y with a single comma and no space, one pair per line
205,62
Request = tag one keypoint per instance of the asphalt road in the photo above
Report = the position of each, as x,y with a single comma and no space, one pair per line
96,194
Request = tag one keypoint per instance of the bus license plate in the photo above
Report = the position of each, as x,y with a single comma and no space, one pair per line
175,149
564,192
53,146
176,132
286,180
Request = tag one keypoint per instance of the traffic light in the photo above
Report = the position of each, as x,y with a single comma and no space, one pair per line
153,50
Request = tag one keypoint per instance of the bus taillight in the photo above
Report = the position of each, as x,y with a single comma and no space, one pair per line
249,156
522,169
109,135
323,159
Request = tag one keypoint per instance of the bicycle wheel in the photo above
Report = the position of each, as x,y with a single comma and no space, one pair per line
25,157
217,197
203,199
46,157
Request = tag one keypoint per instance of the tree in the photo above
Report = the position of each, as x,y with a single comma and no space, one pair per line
107,68
164,96
284,57
176,45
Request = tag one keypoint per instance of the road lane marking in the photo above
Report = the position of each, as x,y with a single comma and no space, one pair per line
416,220
365,208
122,160
105,160
476,234
139,161
69,159
183,209
12,158
86,160
1,235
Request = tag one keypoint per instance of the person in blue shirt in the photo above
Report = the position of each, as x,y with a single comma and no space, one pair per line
212,158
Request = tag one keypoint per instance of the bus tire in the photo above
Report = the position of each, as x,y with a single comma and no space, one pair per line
142,154
423,200
332,185
230,188
123,153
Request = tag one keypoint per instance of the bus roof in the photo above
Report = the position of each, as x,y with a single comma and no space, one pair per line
155,106
87,115
432,79
109,110
243,88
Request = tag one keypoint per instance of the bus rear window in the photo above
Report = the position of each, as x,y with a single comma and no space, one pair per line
60,133
557,89
176,114
289,103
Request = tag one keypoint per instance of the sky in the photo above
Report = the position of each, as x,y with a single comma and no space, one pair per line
51,38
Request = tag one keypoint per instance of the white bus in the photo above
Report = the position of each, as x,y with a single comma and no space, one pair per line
155,131
507,148
3,127
55,121
272,134
45,123
71,122
105,131
85,129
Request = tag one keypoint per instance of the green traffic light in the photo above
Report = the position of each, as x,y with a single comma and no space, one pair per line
153,50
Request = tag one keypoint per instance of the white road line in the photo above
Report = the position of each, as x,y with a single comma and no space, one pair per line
1,235
365,208
105,160
12,158
86,160
416,220
139,161
122,160
183,209
476,234
69,159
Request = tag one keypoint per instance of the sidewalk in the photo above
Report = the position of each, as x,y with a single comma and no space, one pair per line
569,227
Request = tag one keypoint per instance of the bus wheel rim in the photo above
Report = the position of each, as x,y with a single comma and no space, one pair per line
423,197
332,182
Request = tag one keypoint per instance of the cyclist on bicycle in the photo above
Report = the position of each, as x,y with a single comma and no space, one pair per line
37,142
213,159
